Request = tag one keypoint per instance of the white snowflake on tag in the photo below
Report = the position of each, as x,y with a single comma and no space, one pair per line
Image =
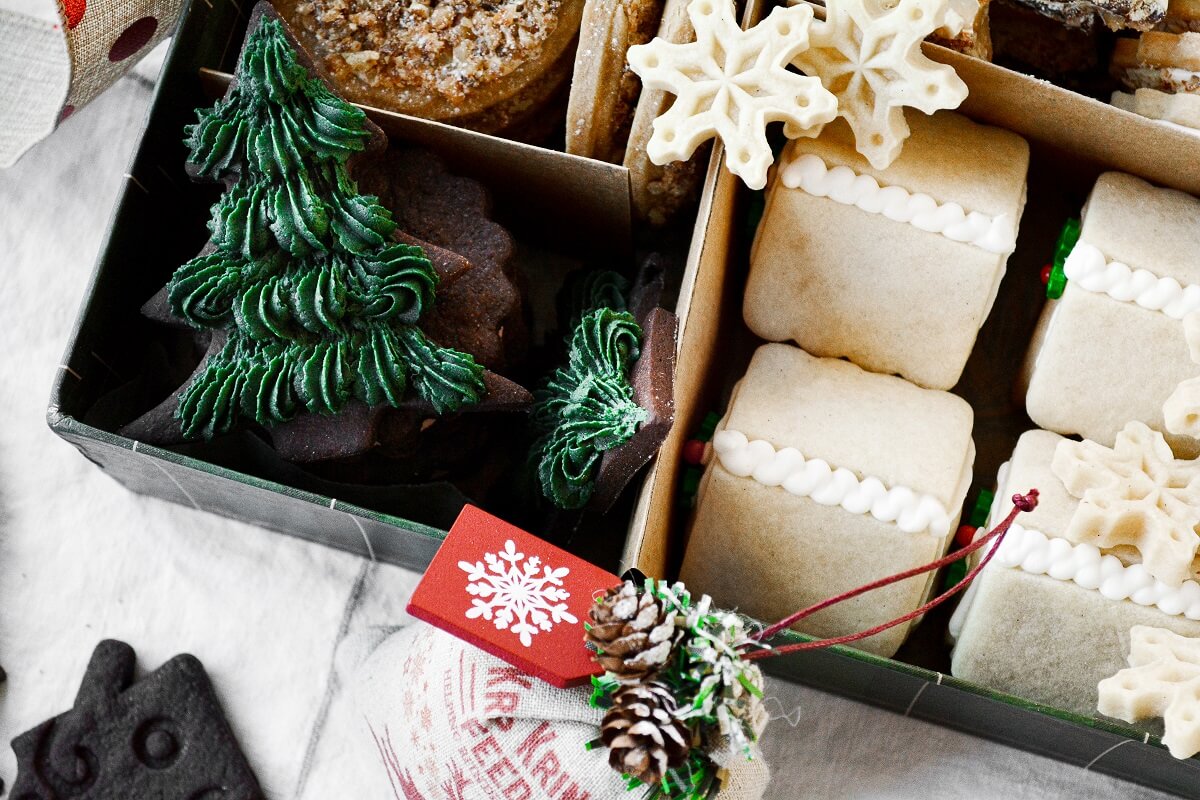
509,591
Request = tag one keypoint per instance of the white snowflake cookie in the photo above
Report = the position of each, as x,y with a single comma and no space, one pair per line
1163,680
1049,617
868,54
730,84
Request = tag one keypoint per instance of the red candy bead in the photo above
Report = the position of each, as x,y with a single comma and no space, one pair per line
1046,270
965,535
693,451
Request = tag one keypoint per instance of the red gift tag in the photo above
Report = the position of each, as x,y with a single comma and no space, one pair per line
513,595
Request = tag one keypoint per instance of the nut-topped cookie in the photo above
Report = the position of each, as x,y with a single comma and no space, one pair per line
491,66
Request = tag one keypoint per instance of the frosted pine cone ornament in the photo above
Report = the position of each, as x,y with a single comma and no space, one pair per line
684,706
644,734
632,633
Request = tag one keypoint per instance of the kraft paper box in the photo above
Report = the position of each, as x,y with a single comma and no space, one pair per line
564,204
1073,140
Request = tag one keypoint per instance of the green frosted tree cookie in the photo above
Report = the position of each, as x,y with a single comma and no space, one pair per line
319,304
588,407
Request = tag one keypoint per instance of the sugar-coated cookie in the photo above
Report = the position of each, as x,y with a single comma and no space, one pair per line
604,91
1112,348
824,477
661,191
1050,616
895,269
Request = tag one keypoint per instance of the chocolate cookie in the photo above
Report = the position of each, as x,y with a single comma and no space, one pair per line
605,412
482,313
313,294
164,736
653,382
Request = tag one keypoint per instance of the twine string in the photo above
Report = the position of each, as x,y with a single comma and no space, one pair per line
1021,503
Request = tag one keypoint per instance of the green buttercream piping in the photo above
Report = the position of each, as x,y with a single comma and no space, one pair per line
320,304
587,407
598,289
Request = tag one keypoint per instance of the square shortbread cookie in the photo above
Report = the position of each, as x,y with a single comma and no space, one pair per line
1100,358
776,531
1030,629
894,287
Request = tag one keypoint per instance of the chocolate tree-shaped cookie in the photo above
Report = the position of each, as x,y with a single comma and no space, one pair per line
312,296
604,414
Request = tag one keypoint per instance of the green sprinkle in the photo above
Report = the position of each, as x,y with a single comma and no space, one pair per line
954,574
983,508
1057,284
1067,239
750,687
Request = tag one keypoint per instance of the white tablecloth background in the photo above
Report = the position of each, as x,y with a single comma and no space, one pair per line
279,623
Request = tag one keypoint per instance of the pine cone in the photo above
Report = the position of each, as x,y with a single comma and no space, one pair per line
643,736
631,632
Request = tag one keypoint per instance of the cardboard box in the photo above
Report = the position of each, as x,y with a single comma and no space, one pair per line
1073,140
574,204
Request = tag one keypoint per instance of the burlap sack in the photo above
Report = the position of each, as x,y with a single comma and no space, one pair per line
450,721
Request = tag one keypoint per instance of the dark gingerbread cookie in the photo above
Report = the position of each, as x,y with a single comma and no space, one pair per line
653,381
482,313
162,737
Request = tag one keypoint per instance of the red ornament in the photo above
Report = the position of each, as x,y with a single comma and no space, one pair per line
965,535
513,595
73,11
693,451
1046,270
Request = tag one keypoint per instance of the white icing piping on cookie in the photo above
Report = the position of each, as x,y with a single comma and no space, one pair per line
810,173
1088,268
1033,552
829,486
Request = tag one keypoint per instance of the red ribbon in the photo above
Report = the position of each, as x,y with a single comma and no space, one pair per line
1021,503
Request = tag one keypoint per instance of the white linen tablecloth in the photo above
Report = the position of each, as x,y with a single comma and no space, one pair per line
280,624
